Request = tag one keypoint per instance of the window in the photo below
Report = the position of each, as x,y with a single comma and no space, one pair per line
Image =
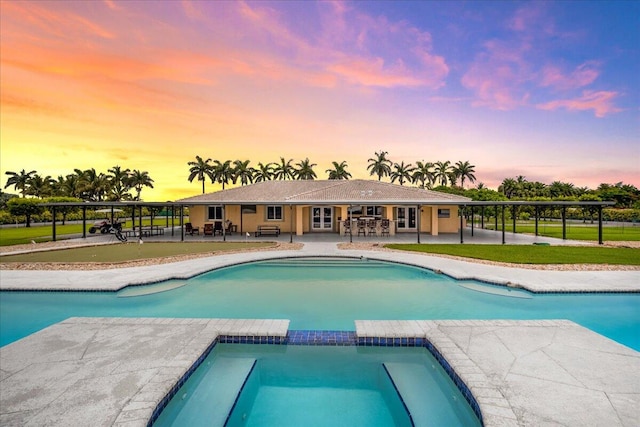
274,213
214,212
444,213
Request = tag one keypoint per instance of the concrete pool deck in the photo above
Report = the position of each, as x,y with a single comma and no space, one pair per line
114,371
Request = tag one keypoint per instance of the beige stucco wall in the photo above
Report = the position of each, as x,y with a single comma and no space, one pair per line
251,221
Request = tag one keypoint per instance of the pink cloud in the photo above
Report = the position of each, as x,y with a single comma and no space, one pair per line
496,80
601,102
583,75
354,47
191,11
55,22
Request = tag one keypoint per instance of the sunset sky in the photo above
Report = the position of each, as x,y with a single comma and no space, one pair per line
547,90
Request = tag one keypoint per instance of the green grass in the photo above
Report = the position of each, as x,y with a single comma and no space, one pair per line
130,252
42,233
574,231
533,254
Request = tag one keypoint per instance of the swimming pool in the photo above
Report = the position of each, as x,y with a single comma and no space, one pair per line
285,385
326,294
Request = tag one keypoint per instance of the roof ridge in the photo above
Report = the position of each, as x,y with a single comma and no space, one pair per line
325,181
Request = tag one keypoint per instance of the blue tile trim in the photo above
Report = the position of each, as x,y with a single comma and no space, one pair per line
251,339
167,398
329,338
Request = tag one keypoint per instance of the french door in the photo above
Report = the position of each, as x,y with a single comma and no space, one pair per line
406,217
321,218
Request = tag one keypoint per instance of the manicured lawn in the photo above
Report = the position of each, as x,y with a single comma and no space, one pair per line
42,233
123,252
574,231
533,254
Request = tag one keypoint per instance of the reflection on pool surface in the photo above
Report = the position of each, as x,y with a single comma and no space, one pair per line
288,385
324,294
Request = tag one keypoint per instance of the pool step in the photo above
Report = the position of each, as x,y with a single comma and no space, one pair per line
416,384
210,398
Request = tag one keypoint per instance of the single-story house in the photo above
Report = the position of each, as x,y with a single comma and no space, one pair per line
310,206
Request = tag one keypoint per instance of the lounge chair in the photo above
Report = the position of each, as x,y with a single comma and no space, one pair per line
208,229
229,228
190,229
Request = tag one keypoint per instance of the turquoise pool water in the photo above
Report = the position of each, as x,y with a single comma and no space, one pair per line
317,386
323,294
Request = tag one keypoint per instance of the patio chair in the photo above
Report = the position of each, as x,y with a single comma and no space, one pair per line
217,228
384,227
208,229
371,227
190,229
229,228
362,227
347,227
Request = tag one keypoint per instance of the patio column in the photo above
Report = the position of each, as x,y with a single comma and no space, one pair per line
291,224
181,221
537,212
84,222
564,223
419,215
434,220
140,223
173,214
472,221
299,225
482,217
53,224
224,223
495,208
350,224
600,241
461,208
503,239
514,210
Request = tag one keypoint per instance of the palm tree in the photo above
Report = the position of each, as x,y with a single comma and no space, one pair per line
423,174
39,186
339,171
263,172
222,172
284,170
200,169
508,187
71,186
19,180
119,183
139,179
401,172
379,165
464,170
243,172
93,185
305,170
442,171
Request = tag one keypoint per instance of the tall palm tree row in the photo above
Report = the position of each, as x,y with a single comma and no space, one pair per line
88,185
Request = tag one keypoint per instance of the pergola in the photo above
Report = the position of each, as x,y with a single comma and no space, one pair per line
463,206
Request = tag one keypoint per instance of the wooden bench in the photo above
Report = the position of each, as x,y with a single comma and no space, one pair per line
272,230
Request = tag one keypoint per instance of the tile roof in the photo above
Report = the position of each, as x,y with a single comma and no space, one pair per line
325,191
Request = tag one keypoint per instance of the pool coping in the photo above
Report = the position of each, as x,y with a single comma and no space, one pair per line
116,371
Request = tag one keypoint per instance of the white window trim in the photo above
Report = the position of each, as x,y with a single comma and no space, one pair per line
266,213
